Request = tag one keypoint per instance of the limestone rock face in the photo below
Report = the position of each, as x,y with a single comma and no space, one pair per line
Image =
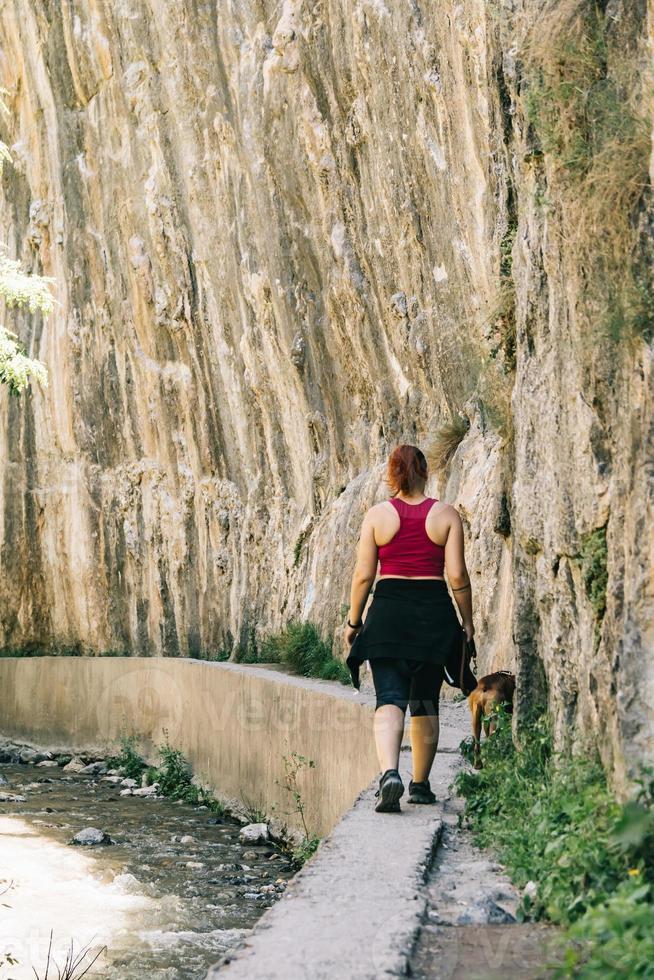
276,231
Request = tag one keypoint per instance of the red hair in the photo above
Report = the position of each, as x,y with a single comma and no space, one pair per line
407,470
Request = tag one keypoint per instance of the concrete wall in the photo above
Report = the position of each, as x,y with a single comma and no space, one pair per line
234,723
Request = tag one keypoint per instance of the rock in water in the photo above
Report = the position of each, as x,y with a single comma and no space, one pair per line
12,798
146,790
91,837
94,769
254,833
75,765
33,756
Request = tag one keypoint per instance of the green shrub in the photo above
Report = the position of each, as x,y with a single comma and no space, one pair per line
301,647
174,775
594,561
128,759
615,939
175,778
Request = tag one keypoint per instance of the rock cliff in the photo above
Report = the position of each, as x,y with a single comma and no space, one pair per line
286,237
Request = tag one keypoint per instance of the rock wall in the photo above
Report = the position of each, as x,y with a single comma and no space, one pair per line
277,232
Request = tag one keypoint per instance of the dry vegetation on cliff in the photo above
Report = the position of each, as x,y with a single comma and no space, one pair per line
587,94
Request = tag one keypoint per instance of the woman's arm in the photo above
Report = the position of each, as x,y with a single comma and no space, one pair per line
364,574
457,573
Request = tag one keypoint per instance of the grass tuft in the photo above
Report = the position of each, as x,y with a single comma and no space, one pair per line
441,447
301,647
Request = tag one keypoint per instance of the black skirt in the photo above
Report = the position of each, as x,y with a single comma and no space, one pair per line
413,619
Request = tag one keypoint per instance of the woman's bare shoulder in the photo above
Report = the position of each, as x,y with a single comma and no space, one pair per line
380,509
446,512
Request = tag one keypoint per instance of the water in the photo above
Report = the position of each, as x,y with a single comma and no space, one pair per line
164,909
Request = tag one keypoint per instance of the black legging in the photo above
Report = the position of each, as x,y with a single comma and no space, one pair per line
413,684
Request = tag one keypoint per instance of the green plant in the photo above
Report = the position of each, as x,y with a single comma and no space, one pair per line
293,765
615,939
128,759
305,849
553,820
301,647
594,560
549,823
174,777
248,652
219,656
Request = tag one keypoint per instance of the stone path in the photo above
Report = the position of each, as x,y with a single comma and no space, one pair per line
469,930
381,898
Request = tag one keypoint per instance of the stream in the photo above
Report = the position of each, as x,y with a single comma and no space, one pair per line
167,898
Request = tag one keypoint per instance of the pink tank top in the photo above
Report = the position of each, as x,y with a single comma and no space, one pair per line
411,551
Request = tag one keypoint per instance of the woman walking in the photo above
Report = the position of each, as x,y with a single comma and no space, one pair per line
411,627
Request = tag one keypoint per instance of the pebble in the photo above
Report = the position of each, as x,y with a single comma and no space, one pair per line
187,839
111,779
91,837
128,782
12,798
47,764
194,864
126,792
530,890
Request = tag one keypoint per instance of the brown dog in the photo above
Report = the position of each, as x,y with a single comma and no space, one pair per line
497,688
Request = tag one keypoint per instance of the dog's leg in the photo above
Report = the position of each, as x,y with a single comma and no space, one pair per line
476,709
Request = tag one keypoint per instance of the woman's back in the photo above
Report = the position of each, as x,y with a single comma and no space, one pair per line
411,552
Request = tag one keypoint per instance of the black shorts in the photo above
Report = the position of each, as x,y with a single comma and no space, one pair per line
406,683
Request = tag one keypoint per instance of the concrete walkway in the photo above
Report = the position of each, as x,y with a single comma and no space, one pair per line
355,909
